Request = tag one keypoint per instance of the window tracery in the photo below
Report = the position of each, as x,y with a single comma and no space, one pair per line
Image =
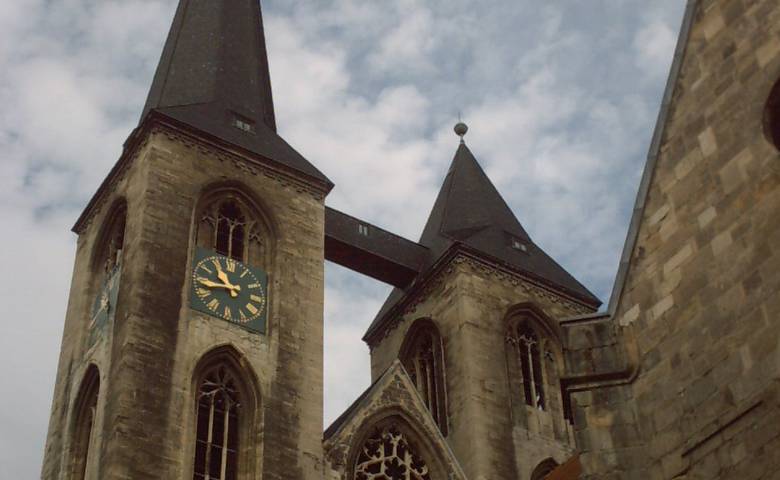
217,437
423,360
531,363
387,455
526,346
228,226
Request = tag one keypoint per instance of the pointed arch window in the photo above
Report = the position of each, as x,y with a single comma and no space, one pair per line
530,362
423,359
109,251
227,418
217,435
388,455
231,226
527,348
85,414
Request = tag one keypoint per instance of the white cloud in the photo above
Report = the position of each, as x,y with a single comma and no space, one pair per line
408,45
653,44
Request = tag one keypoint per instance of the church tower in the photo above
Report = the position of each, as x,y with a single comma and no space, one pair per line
192,345
478,331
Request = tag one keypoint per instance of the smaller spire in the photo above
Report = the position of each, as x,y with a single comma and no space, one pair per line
460,130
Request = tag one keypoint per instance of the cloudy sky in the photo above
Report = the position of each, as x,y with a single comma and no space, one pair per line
560,95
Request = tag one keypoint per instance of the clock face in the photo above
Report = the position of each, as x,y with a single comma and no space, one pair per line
228,289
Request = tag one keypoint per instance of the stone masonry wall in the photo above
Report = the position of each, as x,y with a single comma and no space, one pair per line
76,354
702,298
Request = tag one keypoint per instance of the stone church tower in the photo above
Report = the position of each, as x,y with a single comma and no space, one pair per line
208,216
193,337
477,331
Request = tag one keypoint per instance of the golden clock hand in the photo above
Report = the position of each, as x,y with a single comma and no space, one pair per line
222,275
224,278
211,284
234,289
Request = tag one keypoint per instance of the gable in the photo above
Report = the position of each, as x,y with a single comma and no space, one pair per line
390,403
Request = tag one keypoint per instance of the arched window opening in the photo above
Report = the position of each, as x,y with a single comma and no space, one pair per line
112,245
543,469
387,455
84,425
772,116
230,227
423,359
226,419
527,350
116,244
217,437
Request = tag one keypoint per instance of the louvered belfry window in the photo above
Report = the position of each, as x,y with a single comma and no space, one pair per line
219,406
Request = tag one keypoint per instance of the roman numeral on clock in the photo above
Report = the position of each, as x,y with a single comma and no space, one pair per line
213,304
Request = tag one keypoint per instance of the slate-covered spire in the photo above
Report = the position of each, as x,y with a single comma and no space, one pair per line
470,213
213,76
468,208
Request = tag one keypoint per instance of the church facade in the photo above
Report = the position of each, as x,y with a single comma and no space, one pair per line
193,339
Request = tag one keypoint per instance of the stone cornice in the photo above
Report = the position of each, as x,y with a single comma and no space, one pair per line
459,255
175,131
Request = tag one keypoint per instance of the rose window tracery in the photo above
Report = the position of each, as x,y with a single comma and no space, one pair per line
386,455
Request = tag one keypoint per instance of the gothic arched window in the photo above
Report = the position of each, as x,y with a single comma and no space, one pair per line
423,360
387,455
531,362
231,226
525,342
227,419
85,413
217,433
112,241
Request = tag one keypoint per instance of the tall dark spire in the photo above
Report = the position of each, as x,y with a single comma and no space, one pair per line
468,207
213,75
469,213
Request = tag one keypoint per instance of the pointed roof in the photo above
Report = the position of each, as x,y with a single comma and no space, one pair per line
470,213
469,209
214,72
